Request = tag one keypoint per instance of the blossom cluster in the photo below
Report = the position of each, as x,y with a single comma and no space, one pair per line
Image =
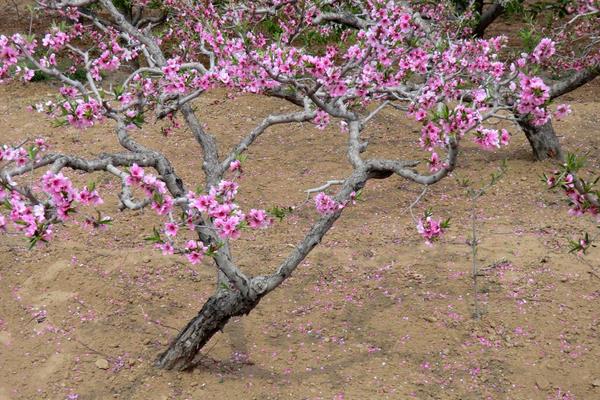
214,210
461,82
583,197
431,229
34,218
534,94
578,199
326,205
491,138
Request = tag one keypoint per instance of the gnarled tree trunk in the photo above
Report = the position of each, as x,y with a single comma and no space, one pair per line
213,316
225,304
543,140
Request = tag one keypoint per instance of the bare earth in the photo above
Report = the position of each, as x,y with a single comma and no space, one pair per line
373,313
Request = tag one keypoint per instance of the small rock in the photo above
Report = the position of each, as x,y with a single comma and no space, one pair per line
430,319
146,296
102,363
596,383
542,383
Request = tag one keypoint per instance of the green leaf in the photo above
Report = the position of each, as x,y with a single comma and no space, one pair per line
155,238
58,122
138,120
445,224
118,91
574,163
33,241
241,157
32,152
359,195
157,197
279,212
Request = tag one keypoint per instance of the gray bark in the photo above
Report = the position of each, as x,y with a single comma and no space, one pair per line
574,81
243,293
487,17
543,140
183,352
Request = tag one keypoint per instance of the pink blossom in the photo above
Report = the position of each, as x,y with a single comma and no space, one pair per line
543,51
171,229
204,203
227,190
321,120
228,227
326,205
435,164
164,207
136,174
430,229
166,248
258,219
504,137
195,251
562,110
236,165
195,257
487,139
89,198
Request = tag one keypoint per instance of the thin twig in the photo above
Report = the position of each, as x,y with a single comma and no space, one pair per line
414,203
323,187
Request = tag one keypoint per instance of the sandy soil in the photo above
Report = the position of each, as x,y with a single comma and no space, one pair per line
372,313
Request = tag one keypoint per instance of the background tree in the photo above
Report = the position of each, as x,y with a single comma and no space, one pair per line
573,27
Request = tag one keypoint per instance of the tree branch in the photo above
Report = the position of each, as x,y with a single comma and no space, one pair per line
574,81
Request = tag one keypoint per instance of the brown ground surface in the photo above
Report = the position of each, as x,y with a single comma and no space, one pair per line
373,313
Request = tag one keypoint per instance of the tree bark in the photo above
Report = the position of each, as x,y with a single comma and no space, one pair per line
486,18
543,140
216,312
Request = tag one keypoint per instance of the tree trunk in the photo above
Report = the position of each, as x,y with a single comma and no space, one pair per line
486,18
543,140
213,316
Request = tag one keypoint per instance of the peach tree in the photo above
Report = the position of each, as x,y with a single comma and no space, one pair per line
125,64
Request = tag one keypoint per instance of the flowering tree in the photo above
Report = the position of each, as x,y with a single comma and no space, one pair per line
570,49
566,58
387,54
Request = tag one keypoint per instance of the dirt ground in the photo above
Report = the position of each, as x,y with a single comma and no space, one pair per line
372,313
